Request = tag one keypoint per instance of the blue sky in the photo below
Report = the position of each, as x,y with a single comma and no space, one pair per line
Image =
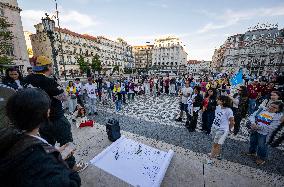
202,25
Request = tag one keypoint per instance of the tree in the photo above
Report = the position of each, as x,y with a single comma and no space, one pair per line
6,46
83,65
96,64
115,68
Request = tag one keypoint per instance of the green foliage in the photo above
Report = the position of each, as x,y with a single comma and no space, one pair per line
96,64
6,45
83,65
128,70
116,68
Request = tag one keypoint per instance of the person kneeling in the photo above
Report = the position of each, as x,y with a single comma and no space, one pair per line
81,119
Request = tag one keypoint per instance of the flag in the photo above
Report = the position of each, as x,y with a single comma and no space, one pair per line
237,78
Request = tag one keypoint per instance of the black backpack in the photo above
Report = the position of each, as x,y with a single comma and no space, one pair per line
113,129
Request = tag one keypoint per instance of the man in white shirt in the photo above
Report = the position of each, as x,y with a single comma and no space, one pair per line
185,93
91,88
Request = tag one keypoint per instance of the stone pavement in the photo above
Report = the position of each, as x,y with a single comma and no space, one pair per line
151,121
186,168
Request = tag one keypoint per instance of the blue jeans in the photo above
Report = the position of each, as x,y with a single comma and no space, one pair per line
251,106
258,145
118,105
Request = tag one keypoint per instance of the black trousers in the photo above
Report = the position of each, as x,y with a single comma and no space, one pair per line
207,120
238,119
58,130
193,122
167,89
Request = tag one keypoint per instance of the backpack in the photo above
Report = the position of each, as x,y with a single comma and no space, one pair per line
113,130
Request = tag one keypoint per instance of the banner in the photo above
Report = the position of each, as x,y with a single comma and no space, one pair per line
134,162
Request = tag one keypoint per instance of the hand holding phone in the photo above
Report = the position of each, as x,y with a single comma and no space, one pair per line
67,150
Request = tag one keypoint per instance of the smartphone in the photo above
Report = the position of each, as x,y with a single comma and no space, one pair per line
68,149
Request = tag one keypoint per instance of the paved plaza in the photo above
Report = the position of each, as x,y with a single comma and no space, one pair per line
151,121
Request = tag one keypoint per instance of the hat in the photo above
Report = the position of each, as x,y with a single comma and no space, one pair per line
40,63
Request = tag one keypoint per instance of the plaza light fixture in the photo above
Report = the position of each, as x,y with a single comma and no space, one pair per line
49,26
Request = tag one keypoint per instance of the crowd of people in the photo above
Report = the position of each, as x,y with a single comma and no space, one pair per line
34,118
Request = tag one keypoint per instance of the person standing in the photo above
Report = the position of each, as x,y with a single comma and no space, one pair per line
208,107
194,106
172,86
222,125
161,82
90,89
167,84
79,88
131,90
262,124
117,97
57,128
13,78
72,98
185,93
240,107
253,94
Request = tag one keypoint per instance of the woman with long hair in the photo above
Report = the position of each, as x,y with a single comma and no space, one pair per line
274,96
208,107
240,107
13,78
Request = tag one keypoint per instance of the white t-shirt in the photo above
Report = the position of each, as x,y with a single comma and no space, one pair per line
79,87
108,84
222,117
185,92
91,90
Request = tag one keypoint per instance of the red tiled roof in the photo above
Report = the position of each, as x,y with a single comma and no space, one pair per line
85,36
193,62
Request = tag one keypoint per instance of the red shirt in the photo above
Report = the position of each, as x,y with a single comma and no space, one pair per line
253,91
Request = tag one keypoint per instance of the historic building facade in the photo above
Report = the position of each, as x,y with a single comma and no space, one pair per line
10,11
169,54
115,53
259,51
143,56
73,46
29,43
197,67
111,53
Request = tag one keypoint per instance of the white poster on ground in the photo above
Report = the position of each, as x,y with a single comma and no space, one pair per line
134,162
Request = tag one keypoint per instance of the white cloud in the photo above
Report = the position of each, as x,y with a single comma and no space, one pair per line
158,4
230,17
71,19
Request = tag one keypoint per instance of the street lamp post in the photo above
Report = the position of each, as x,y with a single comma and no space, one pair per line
49,26
60,40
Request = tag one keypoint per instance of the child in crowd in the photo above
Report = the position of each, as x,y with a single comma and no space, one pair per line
80,117
262,123
72,99
223,124
117,97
